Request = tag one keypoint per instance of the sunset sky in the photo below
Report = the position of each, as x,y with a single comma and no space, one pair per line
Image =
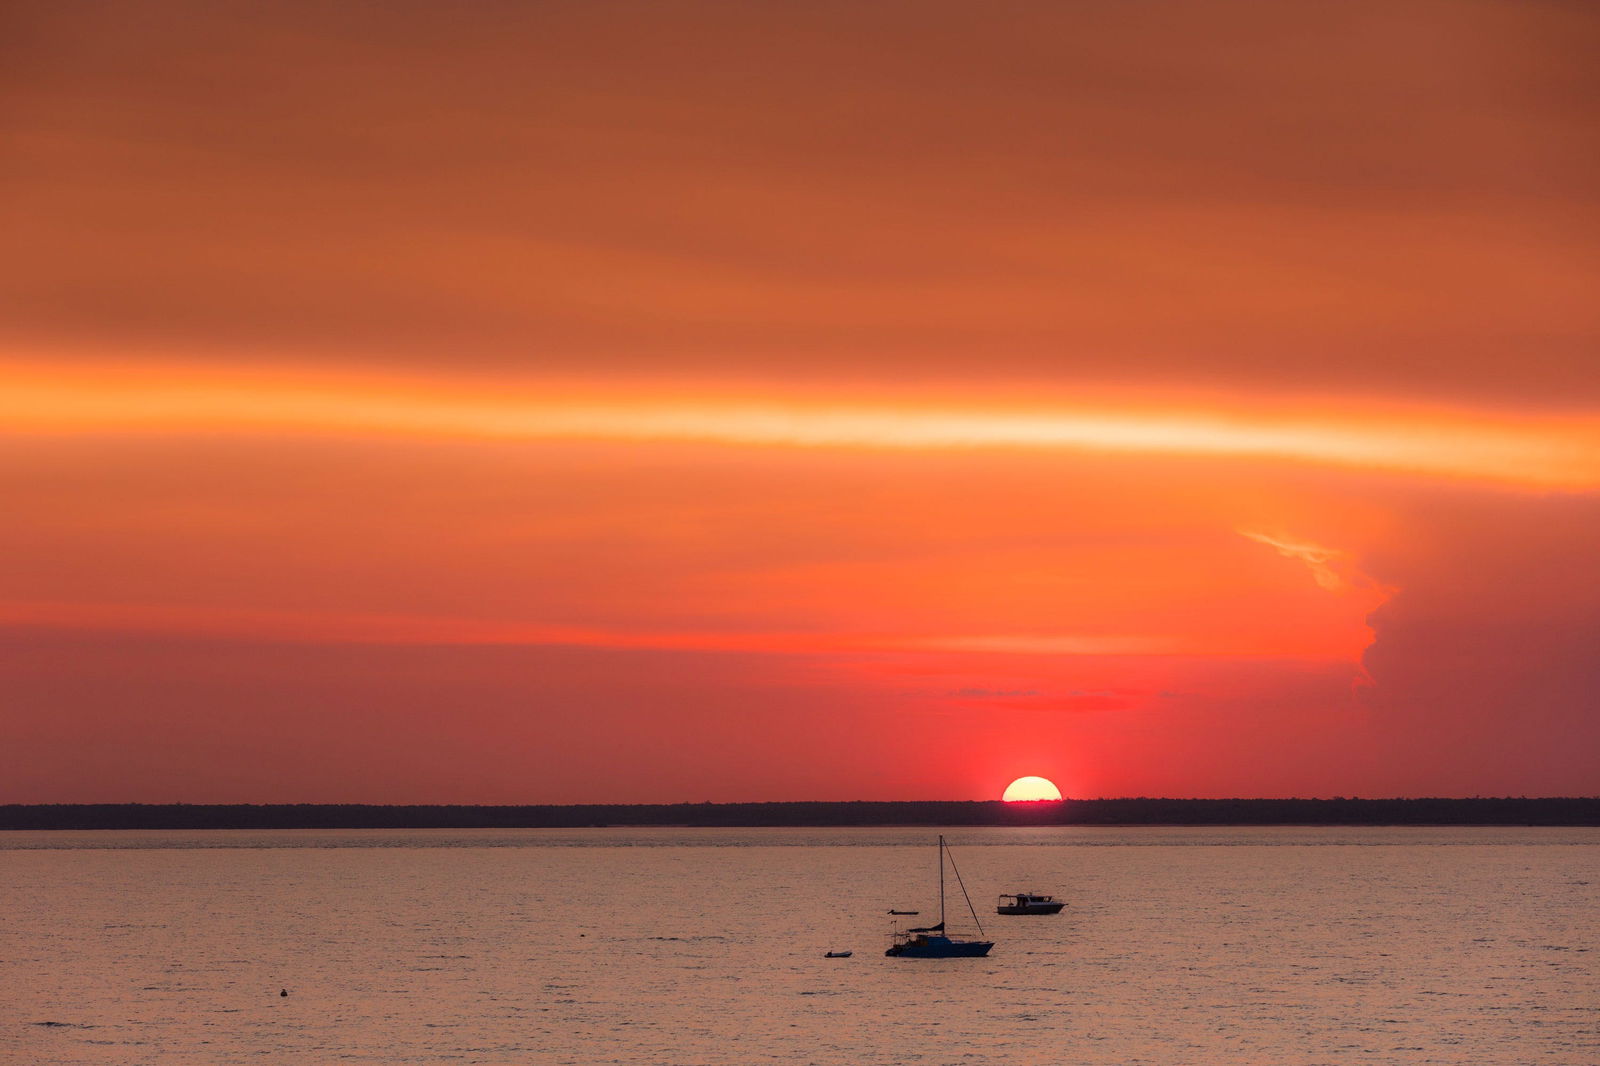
553,402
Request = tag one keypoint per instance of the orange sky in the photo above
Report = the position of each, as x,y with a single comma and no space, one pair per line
658,402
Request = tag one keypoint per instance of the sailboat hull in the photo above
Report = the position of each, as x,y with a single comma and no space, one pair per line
940,947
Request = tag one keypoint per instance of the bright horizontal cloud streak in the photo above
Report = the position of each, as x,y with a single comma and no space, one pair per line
1545,452
365,628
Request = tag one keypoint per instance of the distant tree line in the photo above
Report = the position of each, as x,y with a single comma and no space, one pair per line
1584,811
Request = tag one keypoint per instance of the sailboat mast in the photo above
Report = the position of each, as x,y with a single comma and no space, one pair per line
941,881
963,884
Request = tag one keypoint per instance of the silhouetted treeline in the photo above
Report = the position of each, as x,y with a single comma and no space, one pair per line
1141,811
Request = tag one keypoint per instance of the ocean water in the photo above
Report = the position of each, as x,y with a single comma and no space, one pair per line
1191,946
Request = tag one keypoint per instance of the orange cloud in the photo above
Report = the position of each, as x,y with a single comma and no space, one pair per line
1541,453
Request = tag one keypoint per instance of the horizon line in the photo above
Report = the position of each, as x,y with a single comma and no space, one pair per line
792,802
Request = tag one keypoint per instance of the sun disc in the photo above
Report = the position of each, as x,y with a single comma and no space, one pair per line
1031,788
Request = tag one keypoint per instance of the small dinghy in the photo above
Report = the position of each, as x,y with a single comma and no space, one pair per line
838,954
905,912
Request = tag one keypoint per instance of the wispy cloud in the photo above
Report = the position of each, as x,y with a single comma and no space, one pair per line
1329,566
344,627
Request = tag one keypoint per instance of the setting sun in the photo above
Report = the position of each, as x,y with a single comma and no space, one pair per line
1031,788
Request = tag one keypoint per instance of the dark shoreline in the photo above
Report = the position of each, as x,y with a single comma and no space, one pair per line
1577,811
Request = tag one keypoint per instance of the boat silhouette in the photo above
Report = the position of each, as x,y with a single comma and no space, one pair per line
1028,903
931,941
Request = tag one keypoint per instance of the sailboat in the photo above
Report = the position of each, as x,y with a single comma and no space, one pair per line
930,942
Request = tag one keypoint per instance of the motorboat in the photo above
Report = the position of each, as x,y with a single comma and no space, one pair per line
1028,903
931,941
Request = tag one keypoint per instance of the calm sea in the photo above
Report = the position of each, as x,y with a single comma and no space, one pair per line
1391,946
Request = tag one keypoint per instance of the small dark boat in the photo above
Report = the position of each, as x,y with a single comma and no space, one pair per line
931,942
1028,903
905,912
838,954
